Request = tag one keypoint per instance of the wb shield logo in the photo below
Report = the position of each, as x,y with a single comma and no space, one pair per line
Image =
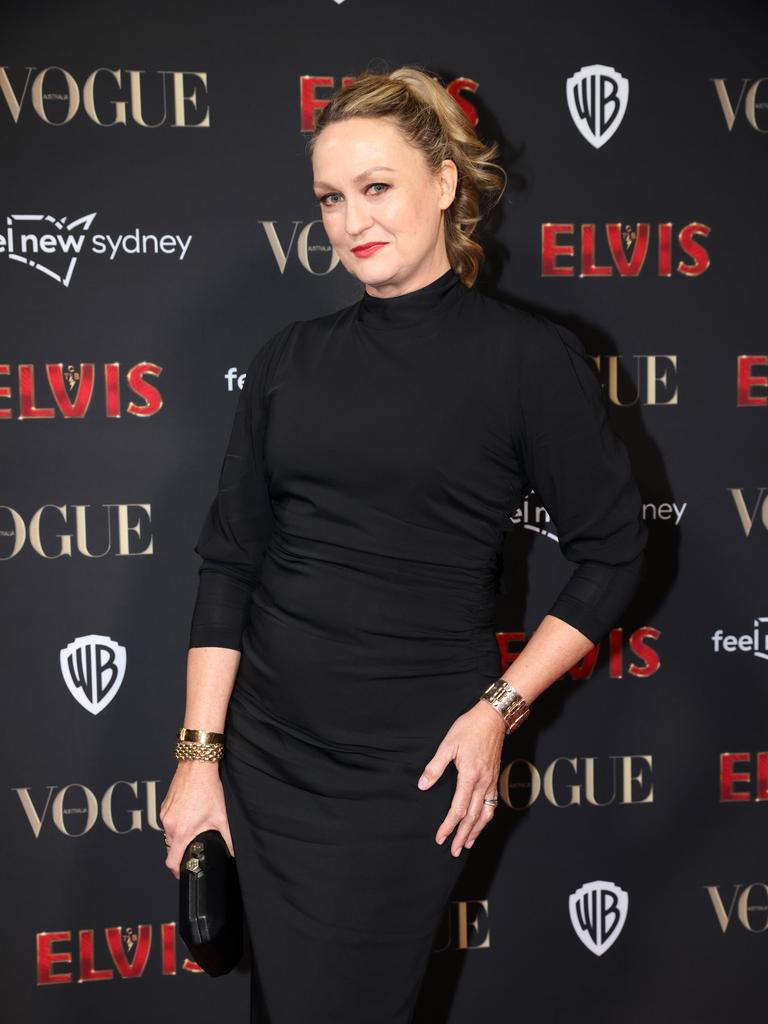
597,99
598,911
93,668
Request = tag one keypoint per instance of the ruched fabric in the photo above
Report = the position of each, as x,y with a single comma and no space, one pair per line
375,457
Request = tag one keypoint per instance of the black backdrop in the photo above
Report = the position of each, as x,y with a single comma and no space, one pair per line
143,262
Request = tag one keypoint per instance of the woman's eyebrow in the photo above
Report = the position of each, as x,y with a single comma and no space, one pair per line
358,177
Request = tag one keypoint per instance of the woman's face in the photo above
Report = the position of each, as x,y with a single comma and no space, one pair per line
375,186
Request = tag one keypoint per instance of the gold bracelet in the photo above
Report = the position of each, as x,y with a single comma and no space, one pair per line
186,751
199,736
513,708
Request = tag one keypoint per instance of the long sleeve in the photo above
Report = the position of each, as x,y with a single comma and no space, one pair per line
238,523
580,470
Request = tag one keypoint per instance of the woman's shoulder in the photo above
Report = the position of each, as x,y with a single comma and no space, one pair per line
325,322
534,338
293,332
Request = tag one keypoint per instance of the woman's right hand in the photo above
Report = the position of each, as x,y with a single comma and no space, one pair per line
194,803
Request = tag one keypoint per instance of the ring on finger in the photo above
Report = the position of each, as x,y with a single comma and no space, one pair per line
470,821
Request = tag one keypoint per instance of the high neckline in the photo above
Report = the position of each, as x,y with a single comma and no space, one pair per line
412,308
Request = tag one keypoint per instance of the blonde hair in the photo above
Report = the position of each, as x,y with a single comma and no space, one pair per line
431,119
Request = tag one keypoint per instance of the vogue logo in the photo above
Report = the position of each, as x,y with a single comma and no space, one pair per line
654,379
569,781
30,240
750,517
55,91
74,810
464,926
627,248
749,904
302,245
744,102
48,539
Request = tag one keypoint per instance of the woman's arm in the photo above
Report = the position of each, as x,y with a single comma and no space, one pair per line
476,738
568,453
211,673
551,650
231,544
195,802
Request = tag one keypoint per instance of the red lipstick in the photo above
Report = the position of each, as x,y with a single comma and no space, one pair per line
369,248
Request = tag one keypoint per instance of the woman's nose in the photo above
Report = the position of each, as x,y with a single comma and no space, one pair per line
357,217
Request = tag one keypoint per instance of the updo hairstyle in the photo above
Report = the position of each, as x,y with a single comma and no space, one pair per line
431,119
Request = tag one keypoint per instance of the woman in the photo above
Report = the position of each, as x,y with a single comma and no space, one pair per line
342,638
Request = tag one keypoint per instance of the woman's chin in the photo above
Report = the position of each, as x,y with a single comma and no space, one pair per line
373,275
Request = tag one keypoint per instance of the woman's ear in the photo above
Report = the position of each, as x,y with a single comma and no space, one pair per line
448,178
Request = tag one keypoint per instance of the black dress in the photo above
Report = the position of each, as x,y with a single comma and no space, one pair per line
375,457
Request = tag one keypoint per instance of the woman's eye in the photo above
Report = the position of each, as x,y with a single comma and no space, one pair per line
326,200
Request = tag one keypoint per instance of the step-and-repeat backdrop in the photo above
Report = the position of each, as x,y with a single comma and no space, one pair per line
158,226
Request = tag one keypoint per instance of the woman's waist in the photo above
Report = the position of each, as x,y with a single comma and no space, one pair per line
369,695
375,597
449,561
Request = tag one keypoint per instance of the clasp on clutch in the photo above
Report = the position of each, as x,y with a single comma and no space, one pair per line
194,863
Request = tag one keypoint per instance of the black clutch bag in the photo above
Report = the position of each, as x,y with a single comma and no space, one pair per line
210,904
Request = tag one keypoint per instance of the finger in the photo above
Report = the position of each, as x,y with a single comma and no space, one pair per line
176,850
224,829
168,844
434,769
486,816
175,854
465,786
173,860
468,821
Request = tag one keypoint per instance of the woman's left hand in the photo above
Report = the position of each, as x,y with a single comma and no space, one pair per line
474,743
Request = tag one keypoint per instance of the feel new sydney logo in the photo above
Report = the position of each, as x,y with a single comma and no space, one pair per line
53,245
